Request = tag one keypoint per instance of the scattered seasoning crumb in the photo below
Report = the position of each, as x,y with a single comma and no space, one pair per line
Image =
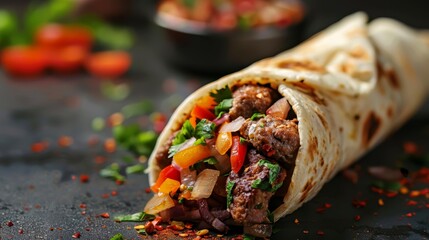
183,234
114,193
403,190
410,147
323,208
296,221
110,145
197,238
380,202
9,223
105,215
21,231
305,231
351,175
202,232
76,235
119,182
188,226
84,178
100,159
83,213
359,203
414,193
37,206
93,140
105,195
82,205
51,229
65,141
411,203
87,229
73,177
219,235
147,190
410,214
39,146
320,233
357,218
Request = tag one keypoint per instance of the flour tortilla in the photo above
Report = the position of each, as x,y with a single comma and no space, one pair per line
350,86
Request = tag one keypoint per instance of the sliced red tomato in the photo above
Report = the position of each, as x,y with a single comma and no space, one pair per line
238,154
167,172
202,113
108,64
25,61
59,36
68,59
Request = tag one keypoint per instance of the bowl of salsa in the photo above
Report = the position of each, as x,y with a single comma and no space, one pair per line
226,35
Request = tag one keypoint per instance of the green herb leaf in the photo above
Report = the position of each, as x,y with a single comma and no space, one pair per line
274,172
229,188
204,129
387,186
8,27
128,159
113,172
142,231
248,237
136,217
98,124
223,106
257,116
117,236
261,184
115,92
189,3
222,94
186,132
211,161
138,168
136,109
133,139
270,216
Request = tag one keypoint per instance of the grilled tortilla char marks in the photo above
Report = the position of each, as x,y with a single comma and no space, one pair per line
249,99
249,204
273,137
370,128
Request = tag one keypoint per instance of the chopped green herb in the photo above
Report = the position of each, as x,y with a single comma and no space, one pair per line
258,206
136,217
113,172
181,200
222,94
244,22
204,129
248,237
189,3
229,188
387,186
190,188
142,231
117,236
223,106
242,140
132,138
261,125
211,161
127,159
136,109
186,132
115,92
257,116
265,185
98,124
138,168
270,216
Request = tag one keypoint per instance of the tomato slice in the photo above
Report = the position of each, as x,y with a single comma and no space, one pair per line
238,154
108,64
24,61
202,113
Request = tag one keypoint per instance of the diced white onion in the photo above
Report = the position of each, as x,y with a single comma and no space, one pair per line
205,183
158,203
188,177
279,109
233,126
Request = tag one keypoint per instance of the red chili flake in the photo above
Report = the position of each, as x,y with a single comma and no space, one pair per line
51,229
39,146
410,214
105,195
359,203
320,233
21,231
377,190
65,141
357,218
323,208
380,202
9,223
76,235
414,193
82,205
100,159
115,119
424,191
105,215
411,203
37,206
84,178
391,194
87,229
147,190
410,147
119,182
110,145
159,227
305,231
114,193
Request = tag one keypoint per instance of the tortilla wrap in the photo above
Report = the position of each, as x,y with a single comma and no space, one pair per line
350,86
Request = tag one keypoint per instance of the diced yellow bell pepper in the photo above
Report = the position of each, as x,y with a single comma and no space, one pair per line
169,186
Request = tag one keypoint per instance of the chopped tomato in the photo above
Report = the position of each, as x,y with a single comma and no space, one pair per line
238,154
223,142
108,64
167,172
67,59
59,36
191,155
202,113
24,60
207,102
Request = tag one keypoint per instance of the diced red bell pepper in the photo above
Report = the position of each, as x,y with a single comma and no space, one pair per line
167,172
202,113
238,153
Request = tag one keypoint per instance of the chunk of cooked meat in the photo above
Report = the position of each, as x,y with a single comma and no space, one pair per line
249,203
249,99
161,156
273,137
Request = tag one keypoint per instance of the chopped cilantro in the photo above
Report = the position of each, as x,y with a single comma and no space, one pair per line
257,116
127,159
242,140
113,172
136,109
117,236
186,132
270,216
189,3
136,217
204,129
142,231
138,168
223,106
133,139
221,94
248,237
388,186
211,161
265,185
229,187
258,206
181,200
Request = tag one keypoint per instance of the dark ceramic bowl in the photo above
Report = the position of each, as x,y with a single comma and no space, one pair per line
197,48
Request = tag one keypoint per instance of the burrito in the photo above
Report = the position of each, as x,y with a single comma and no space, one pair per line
255,145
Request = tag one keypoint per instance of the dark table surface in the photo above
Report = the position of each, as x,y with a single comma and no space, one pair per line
38,193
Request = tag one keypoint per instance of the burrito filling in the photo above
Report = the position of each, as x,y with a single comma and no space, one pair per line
232,157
